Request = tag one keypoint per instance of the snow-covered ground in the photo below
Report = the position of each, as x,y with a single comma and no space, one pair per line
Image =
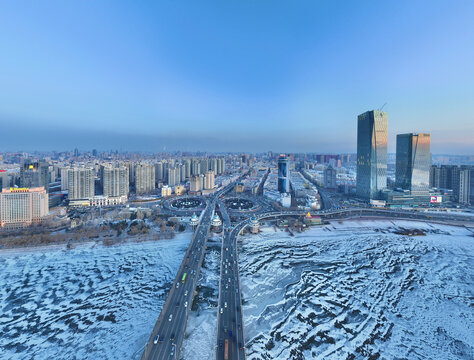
355,290
91,302
200,338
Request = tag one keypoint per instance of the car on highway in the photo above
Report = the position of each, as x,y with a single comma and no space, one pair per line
177,285
172,337
222,310
225,304
155,340
171,317
186,293
186,304
172,352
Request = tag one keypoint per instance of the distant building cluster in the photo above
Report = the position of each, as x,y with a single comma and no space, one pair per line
458,179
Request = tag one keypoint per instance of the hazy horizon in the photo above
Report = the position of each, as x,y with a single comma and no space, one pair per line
241,76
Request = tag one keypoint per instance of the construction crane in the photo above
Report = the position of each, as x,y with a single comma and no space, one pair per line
380,109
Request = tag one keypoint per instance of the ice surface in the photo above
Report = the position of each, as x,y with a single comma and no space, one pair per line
91,302
356,290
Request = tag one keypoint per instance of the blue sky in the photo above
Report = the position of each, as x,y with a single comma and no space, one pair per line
234,75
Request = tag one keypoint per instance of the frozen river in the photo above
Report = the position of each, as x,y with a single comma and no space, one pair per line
355,290
352,290
91,302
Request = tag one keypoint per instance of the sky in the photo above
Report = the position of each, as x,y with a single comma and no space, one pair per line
248,75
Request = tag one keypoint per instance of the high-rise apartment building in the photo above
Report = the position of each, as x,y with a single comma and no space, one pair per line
448,176
283,174
34,174
372,128
195,183
464,191
144,178
435,173
213,165
413,162
204,166
182,172
209,180
159,172
330,177
115,180
22,206
174,175
80,183
187,168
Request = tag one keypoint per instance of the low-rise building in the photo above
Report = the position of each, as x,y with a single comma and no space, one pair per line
179,190
166,191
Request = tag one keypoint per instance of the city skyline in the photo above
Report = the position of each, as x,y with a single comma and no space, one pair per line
143,77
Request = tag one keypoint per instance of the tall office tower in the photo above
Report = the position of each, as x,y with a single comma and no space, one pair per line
372,129
204,166
80,183
187,167
464,192
115,180
182,172
159,172
213,165
413,162
34,174
219,166
209,180
144,178
330,177
196,167
22,207
195,183
172,181
283,174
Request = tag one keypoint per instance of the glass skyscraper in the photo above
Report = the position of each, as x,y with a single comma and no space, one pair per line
283,174
412,171
372,137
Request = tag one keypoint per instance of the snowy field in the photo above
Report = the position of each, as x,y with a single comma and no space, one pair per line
91,302
355,290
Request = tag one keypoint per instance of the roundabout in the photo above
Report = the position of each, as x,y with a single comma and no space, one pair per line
186,203
240,204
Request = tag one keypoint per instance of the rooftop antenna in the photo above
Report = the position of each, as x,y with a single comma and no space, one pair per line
380,109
